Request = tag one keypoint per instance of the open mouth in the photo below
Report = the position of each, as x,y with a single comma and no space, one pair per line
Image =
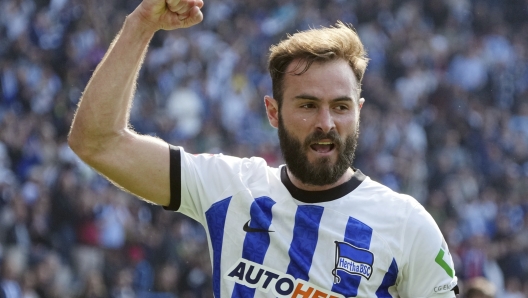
322,147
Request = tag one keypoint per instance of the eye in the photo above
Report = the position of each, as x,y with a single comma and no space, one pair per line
342,107
308,106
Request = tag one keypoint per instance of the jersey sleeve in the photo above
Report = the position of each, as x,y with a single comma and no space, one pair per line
205,179
428,269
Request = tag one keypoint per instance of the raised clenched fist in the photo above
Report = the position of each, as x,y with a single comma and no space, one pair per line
169,14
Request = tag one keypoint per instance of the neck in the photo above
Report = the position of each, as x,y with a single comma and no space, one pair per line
310,187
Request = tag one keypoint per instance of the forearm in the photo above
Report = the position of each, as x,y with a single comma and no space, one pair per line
104,107
99,133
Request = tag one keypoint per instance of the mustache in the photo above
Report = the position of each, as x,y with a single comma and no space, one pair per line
318,135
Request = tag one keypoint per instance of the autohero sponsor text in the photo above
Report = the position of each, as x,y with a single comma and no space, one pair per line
265,279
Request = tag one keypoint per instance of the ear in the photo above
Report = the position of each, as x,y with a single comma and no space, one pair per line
361,102
272,110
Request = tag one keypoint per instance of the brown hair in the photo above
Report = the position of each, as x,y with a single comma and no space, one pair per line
325,44
480,287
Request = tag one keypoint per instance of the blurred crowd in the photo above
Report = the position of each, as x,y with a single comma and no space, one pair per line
445,120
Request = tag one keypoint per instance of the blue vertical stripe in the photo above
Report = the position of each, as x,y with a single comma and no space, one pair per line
359,235
216,217
388,280
256,243
305,235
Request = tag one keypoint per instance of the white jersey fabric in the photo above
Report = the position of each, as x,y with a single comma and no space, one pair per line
359,239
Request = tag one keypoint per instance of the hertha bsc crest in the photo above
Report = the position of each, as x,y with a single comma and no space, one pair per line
351,260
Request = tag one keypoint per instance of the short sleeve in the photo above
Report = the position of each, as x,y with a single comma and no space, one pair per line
428,268
205,179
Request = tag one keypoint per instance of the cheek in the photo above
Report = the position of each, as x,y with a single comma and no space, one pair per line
344,122
299,127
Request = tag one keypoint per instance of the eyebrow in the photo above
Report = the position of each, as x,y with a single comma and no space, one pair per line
315,98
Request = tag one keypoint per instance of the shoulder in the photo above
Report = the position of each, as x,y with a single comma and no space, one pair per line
224,165
419,248
403,211
385,198
392,215
221,159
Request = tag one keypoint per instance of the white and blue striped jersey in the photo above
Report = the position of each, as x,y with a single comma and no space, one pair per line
268,238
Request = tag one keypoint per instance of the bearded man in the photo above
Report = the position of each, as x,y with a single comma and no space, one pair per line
314,227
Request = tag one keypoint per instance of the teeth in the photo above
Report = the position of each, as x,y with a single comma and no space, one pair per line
325,143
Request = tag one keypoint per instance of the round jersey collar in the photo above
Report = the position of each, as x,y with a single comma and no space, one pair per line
335,193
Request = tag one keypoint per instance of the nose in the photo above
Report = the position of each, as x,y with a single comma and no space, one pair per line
325,120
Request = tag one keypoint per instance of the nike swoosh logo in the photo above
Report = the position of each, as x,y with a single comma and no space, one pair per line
249,229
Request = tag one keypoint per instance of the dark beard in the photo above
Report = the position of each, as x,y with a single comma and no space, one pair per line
322,171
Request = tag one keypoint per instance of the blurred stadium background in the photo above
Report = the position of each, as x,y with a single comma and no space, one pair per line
445,120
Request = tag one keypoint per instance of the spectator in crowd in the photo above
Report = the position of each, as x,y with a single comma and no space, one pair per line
479,287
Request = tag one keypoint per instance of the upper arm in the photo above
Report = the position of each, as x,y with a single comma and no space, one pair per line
428,267
137,163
